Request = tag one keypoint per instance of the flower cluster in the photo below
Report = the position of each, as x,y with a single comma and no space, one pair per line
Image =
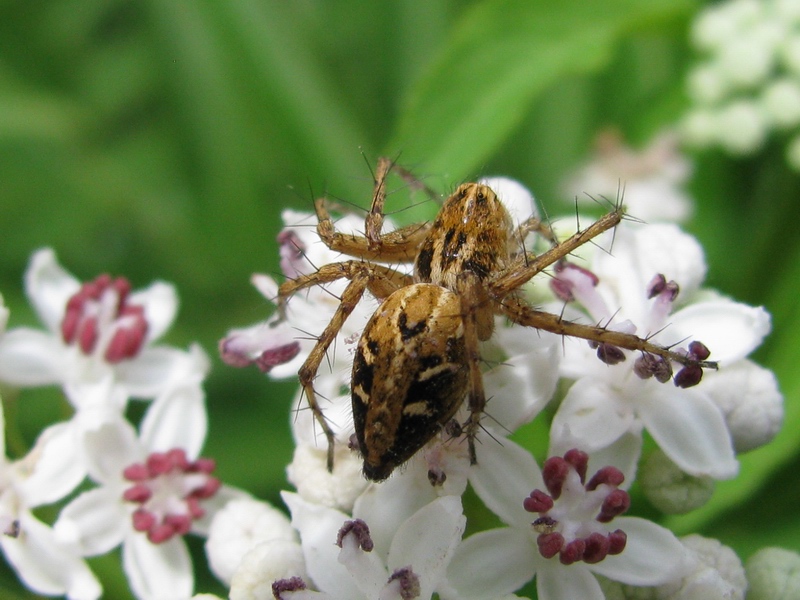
564,523
748,84
145,489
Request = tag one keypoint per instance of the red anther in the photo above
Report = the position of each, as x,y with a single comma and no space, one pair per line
180,524
611,355
360,530
572,552
195,510
136,472
160,533
143,520
699,350
688,376
203,465
208,489
550,544
554,473
608,475
656,286
138,493
617,541
537,502
277,356
649,365
87,335
123,287
579,461
616,503
70,322
409,583
295,584
177,458
158,464
597,546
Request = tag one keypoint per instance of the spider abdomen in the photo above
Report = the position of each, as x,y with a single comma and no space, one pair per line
409,375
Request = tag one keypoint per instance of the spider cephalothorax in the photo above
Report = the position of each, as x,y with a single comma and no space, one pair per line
418,356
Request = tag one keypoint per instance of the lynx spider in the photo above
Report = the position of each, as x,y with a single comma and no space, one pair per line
422,345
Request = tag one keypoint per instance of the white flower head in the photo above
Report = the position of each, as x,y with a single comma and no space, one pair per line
772,574
745,86
240,526
152,489
98,342
46,474
650,286
579,533
344,561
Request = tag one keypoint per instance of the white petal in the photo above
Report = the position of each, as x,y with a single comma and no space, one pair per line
224,495
158,368
160,302
690,430
157,571
47,567
387,505
566,582
505,475
623,454
29,357
652,555
592,416
110,449
427,541
49,286
176,419
319,527
57,468
523,384
94,522
730,330
492,563
366,568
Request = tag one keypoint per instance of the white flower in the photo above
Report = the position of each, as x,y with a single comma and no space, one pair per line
645,288
578,534
98,336
43,476
345,561
747,84
651,179
241,525
152,490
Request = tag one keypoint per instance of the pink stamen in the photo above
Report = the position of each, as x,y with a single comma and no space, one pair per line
562,524
98,318
168,489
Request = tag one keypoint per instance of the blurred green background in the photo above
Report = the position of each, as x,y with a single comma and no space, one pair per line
160,139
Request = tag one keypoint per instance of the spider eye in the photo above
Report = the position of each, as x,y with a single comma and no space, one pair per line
481,196
462,193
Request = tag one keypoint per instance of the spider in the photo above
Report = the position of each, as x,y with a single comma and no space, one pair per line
418,357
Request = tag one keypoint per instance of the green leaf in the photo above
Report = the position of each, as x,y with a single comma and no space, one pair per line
500,56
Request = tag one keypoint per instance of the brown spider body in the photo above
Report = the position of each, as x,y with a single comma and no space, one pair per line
411,372
418,357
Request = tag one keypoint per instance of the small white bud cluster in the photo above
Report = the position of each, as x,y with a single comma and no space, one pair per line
748,84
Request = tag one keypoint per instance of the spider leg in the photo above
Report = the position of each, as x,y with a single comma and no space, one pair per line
520,312
400,245
523,268
359,282
382,280
478,323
